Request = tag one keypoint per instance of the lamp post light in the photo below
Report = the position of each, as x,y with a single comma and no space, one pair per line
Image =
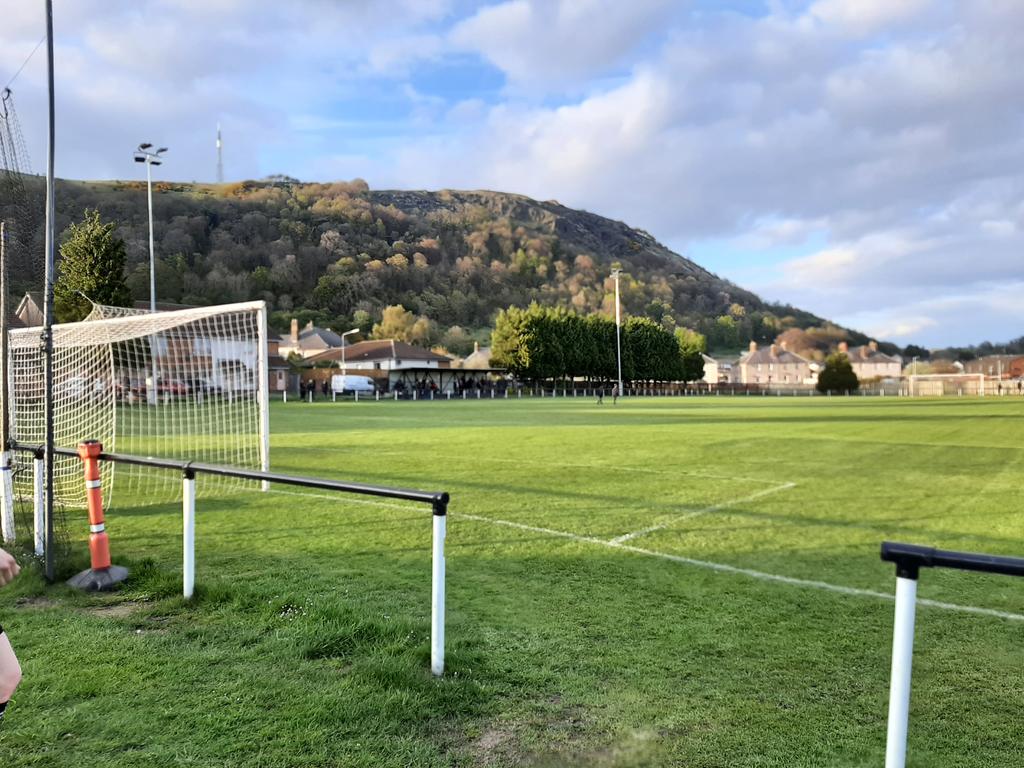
143,155
344,370
618,328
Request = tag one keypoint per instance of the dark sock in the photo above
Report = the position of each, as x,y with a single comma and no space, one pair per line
3,706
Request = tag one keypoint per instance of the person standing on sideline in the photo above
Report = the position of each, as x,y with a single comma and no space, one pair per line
615,395
600,395
10,670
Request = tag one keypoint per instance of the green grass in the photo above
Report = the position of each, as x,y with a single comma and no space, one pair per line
308,641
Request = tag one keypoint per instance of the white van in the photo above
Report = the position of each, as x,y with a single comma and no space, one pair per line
341,384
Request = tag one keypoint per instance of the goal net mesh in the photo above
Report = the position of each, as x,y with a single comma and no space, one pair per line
947,384
187,385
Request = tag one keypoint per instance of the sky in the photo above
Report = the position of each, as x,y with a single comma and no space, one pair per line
861,159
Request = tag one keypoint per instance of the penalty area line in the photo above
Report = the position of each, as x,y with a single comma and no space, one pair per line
748,572
697,513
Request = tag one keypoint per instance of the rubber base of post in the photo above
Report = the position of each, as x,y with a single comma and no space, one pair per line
99,580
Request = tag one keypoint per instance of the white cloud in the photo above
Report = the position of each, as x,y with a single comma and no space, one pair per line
862,17
551,44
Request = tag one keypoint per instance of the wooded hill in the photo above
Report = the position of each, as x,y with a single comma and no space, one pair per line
338,254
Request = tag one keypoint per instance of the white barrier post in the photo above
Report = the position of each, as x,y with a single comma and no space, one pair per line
902,656
437,603
188,509
7,500
38,506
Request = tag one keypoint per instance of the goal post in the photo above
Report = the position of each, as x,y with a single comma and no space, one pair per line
947,384
188,384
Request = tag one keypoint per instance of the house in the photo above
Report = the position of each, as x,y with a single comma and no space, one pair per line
29,312
869,363
712,371
773,365
309,341
480,359
277,367
997,366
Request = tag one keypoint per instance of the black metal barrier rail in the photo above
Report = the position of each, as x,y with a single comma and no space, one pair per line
909,560
438,500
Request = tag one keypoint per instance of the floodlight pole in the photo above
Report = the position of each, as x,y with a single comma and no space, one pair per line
618,328
47,337
344,370
152,249
143,155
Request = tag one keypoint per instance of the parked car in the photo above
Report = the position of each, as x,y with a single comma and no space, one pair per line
172,387
203,387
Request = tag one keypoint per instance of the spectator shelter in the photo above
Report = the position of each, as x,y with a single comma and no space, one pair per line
396,366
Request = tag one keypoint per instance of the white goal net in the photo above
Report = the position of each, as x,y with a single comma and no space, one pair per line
189,385
947,384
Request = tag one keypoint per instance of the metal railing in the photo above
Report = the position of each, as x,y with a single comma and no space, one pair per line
438,501
909,560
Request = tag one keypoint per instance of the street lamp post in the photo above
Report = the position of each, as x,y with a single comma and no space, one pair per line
344,370
143,155
618,326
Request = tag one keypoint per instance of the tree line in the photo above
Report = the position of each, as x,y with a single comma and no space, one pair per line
544,343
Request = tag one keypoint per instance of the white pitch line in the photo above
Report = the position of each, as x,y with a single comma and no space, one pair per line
347,500
707,510
564,465
760,575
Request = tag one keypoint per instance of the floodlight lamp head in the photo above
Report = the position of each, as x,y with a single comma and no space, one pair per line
155,162
144,146
161,150
140,159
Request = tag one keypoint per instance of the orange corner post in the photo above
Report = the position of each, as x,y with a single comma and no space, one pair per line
102,575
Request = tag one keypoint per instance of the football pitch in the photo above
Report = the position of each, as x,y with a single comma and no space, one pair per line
662,582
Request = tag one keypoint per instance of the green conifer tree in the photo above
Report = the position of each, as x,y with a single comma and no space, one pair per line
837,375
92,261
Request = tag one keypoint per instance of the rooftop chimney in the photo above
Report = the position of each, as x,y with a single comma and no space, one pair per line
295,330
873,345
476,347
844,347
753,346
784,345
775,350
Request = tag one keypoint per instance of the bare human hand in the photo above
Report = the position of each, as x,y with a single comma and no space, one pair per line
9,568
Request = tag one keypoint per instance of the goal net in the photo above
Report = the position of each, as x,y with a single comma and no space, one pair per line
189,384
947,384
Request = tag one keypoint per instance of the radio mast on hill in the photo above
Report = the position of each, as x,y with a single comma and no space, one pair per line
220,158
